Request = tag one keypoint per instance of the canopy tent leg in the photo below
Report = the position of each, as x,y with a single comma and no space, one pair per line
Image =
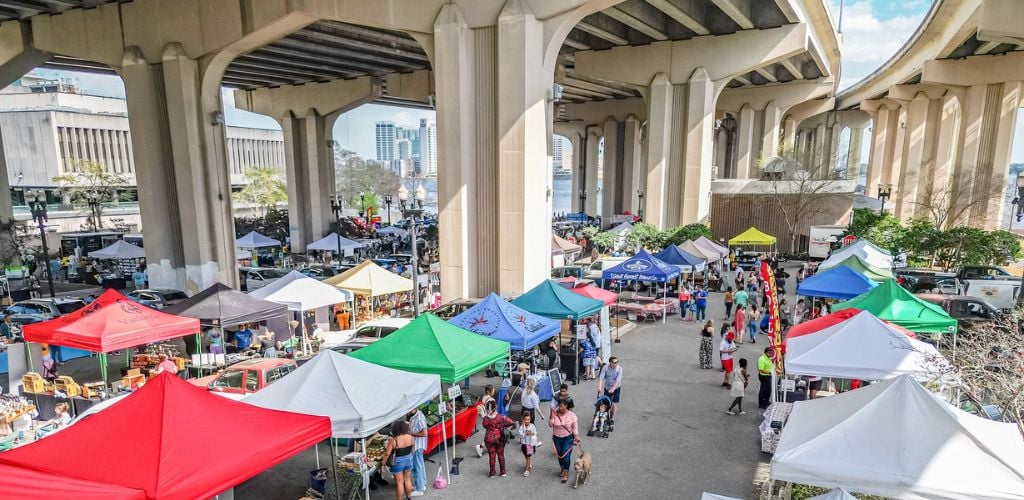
366,477
617,311
334,467
316,449
664,299
103,366
444,441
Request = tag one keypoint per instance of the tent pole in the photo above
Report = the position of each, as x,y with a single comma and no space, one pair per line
103,366
334,467
366,479
444,440
664,298
316,449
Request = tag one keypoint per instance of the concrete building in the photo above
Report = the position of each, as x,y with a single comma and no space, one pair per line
385,135
428,148
643,77
404,147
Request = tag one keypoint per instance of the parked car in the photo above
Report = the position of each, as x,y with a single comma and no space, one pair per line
35,310
246,377
454,308
363,335
594,272
577,272
254,278
968,311
320,273
157,298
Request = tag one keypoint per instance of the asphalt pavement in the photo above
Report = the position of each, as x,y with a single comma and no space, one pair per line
672,437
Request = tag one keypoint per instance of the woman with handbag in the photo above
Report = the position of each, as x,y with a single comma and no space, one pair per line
496,436
565,434
398,456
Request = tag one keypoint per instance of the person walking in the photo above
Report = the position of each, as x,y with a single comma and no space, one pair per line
418,431
701,301
740,321
494,438
706,343
753,321
400,445
764,378
740,297
684,301
565,434
729,299
487,398
530,400
726,348
610,384
740,379
799,311
527,432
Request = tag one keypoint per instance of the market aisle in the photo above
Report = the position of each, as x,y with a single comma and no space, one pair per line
672,438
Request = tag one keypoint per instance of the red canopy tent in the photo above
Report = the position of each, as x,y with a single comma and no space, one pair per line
172,450
818,324
18,483
593,292
111,322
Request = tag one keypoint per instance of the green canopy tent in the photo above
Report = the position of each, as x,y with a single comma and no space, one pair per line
431,345
551,300
893,303
874,273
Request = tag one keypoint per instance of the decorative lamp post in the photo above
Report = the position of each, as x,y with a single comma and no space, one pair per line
413,210
92,198
583,200
640,209
37,205
1018,206
884,195
362,204
388,199
336,209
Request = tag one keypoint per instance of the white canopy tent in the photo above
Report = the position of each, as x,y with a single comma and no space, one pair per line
120,249
896,439
705,243
301,293
395,230
359,397
864,249
256,240
330,243
621,229
866,348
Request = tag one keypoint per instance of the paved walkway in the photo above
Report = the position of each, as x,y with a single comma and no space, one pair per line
672,437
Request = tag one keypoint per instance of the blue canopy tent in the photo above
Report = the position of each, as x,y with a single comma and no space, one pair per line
685,261
840,282
643,267
496,318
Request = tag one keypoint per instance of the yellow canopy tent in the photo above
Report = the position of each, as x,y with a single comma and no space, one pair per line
370,279
751,237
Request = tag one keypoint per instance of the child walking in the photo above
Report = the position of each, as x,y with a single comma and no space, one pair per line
740,379
527,441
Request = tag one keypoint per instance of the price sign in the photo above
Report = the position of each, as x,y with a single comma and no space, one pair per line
788,385
454,392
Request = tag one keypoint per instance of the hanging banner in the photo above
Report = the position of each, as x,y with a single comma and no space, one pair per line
774,320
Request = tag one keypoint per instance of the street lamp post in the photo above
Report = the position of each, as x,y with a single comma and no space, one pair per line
362,204
92,198
640,208
412,210
336,209
883,196
1018,201
387,202
583,200
37,205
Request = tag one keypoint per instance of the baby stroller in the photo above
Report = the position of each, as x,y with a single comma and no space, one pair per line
601,425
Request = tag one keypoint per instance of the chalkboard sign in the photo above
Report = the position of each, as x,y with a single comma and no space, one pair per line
555,380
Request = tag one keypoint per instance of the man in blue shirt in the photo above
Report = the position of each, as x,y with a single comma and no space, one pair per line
701,296
418,429
243,338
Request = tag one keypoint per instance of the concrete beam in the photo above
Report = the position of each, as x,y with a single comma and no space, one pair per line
975,70
679,16
17,54
1000,22
601,33
784,95
734,12
594,113
323,98
805,110
793,70
768,75
632,21
910,92
722,57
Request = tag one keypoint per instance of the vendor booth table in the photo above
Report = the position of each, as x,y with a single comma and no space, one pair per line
370,281
551,300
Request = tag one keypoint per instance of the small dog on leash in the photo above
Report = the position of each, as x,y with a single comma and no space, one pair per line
582,467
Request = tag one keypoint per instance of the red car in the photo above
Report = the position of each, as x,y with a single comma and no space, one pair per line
246,377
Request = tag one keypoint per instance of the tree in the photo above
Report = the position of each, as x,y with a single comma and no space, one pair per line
91,181
800,191
264,189
947,206
273,223
646,236
14,238
356,175
680,234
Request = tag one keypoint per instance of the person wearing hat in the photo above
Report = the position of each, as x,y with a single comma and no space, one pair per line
726,348
764,376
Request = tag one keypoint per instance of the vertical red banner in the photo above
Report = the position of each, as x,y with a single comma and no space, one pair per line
772,309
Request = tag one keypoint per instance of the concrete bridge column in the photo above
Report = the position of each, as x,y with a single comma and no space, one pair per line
592,169
659,144
923,120
611,169
632,168
883,143
745,160
309,169
853,155
185,200
579,164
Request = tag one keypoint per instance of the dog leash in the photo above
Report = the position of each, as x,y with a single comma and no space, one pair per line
567,452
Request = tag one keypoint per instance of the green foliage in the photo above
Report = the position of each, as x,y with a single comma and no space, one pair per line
355,175
863,220
604,241
646,236
678,235
91,180
1003,246
273,223
264,189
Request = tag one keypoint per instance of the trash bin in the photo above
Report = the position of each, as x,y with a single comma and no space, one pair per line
318,480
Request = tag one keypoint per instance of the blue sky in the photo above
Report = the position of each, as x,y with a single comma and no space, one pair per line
873,30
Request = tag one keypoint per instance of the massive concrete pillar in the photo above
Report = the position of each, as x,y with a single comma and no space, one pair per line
883,142
632,168
592,169
611,169
745,160
914,183
579,164
789,140
184,196
309,169
853,154
659,148
771,131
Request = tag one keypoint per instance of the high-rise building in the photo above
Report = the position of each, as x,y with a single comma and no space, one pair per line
556,153
428,148
385,141
404,147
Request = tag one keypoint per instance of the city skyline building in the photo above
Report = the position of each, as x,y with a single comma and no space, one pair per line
428,148
385,134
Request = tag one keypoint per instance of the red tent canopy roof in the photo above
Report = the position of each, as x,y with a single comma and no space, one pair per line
818,324
162,440
110,323
593,292
18,483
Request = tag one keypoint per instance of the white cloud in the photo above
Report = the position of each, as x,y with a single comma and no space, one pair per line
868,41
